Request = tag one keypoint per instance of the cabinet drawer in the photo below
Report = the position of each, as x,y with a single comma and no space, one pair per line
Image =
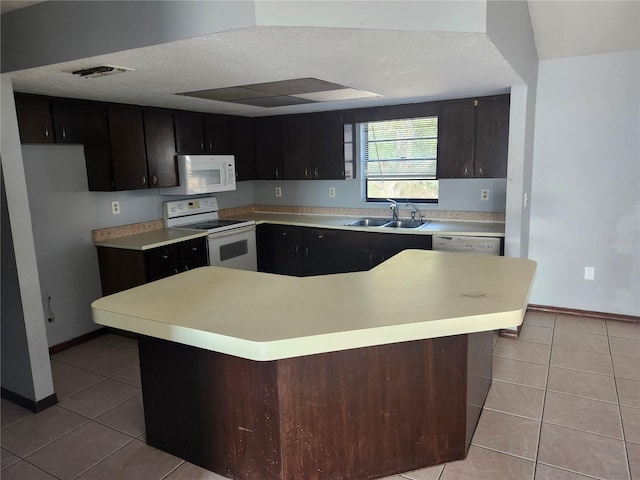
193,251
312,236
163,262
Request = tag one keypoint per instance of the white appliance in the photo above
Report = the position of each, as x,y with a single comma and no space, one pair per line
465,244
203,174
232,243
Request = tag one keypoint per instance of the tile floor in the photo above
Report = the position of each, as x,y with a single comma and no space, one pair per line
564,405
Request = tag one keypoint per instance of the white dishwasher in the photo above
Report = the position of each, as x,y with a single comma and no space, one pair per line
465,244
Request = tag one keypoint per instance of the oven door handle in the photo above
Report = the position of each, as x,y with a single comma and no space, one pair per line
233,231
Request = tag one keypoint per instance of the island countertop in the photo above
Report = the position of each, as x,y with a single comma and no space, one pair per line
416,294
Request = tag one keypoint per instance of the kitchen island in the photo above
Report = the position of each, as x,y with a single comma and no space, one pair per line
357,375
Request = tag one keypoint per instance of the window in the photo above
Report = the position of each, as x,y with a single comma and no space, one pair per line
399,159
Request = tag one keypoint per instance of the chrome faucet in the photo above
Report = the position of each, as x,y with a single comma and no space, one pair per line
394,209
414,211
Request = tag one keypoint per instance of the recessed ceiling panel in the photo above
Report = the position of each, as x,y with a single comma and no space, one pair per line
269,102
336,95
295,86
231,94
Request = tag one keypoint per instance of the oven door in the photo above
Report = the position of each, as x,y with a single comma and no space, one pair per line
234,248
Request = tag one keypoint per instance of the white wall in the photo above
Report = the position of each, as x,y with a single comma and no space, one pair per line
28,284
585,199
455,194
509,28
63,214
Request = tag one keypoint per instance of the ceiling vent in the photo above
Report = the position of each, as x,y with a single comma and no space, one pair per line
101,71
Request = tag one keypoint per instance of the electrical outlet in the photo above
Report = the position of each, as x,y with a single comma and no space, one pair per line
115,208
484,194
589,273
332,192
278,191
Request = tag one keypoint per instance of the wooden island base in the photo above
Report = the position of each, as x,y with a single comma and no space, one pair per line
354,414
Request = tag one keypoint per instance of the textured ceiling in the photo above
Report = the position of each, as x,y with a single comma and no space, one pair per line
575,28
400,66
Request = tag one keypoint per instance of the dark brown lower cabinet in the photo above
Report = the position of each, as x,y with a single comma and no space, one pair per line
122,268
306,251
354,414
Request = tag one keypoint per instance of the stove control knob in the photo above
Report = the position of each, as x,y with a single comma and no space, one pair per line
173,209
179,206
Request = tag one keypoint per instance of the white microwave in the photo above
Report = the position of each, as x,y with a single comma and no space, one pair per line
203,174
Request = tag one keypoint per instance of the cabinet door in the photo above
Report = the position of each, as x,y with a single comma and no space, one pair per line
161,147
242,142
193,254
121,269
189,132
280,249
34,119
216,134
296,147
162,262
78,121
492,137
268,135
127,147
327,146
456,139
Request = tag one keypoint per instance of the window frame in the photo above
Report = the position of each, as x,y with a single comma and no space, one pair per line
361,136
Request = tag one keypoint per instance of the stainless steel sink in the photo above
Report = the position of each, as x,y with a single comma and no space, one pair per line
368,222
385,222
405,223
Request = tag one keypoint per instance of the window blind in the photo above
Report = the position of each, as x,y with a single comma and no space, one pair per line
404,149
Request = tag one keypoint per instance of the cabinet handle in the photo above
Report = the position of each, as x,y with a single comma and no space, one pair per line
320,236
371,259
154,179
315,172
186,268
202,145
64,134
194,249
210,146
46,132
306,253
480,170
277,174
164,257
143,180
306,173
466,170
284,234
175,269
297,250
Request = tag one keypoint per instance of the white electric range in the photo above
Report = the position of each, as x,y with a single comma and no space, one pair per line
232,243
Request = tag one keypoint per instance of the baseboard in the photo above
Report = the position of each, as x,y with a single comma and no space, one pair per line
27,403
584,313
77,340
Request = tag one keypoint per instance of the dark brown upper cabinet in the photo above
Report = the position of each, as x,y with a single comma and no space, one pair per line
216,134
268,146
313,146
242,146
473,138
492,137
80,121
161,147
189,131
35,121
128,155
86,123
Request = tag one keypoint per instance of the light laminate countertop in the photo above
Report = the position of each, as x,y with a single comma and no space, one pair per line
416,294
437,227
152,239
